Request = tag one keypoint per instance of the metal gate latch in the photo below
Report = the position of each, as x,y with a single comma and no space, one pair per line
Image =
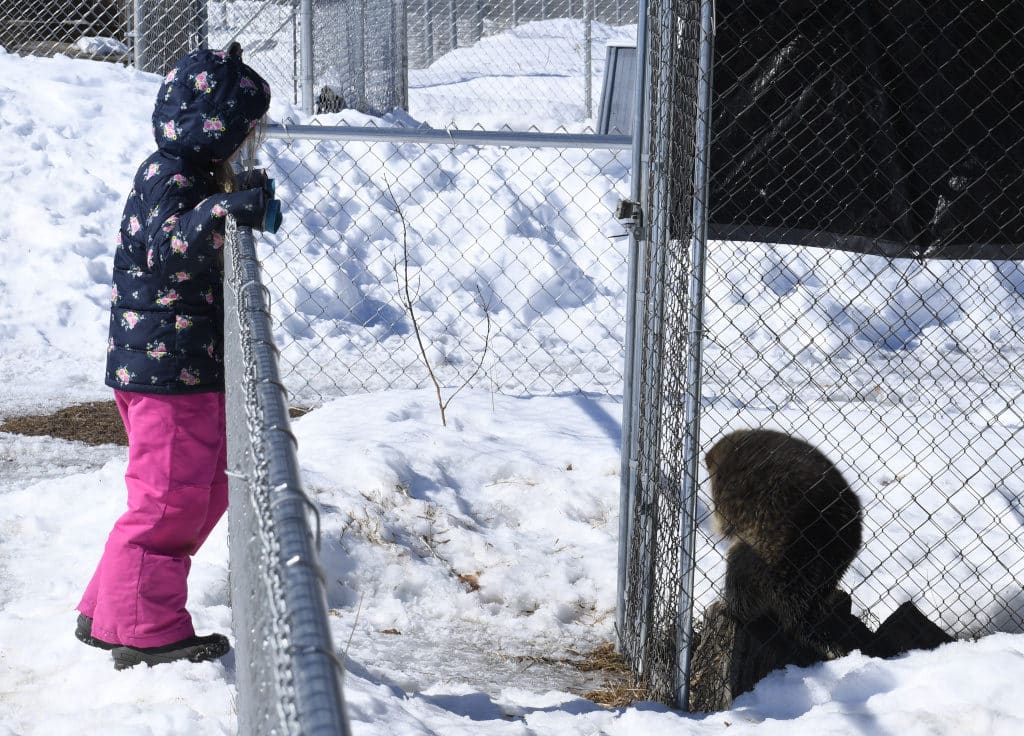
629,213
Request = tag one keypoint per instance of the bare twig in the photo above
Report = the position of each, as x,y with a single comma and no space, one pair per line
409,304
359,607
483,355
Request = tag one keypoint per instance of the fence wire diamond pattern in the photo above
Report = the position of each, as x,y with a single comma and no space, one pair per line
532,275
905,372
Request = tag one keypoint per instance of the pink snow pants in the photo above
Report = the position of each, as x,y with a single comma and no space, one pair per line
177,491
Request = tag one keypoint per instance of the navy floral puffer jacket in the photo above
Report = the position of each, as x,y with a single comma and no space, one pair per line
166,317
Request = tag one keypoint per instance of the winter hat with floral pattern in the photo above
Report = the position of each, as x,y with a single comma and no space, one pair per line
208,104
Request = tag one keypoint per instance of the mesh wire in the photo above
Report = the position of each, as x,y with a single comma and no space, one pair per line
905,373
926,353
289,677
367,55
654,574
359,55
270,34
523,294
437,27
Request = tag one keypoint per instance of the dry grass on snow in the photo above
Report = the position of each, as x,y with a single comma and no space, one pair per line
94,423
98,423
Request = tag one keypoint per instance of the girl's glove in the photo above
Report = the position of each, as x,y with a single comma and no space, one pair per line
256,179
255,208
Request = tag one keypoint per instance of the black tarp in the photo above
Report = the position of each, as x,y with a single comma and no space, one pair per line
893,128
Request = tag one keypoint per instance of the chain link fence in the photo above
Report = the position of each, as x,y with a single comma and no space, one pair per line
561,57
289,675
460,63
663,360
60,27
359,56
271,35
499,252
480,259
150,34
889,138
437,27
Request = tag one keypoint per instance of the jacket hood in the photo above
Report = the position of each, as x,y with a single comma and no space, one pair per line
207,105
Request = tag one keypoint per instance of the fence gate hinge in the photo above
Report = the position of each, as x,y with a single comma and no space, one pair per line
629,213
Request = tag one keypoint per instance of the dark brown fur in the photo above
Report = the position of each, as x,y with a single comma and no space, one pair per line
794,525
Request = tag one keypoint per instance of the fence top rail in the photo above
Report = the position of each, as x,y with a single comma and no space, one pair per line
449,136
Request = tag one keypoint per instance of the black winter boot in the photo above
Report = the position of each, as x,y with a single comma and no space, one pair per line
83,632
193,649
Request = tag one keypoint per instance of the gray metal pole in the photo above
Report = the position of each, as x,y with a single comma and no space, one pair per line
453,26
202,23
630,394
296,69
291,546
306,55
400,15
138,34
588,61
691,401
358,47
431,136
428,30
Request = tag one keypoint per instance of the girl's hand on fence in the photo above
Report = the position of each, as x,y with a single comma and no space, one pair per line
263,211
257,179
251,207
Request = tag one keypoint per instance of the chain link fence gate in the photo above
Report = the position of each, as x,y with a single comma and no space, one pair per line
500,251
660,413
890,138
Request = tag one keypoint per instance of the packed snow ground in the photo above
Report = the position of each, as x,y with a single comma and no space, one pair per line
518,494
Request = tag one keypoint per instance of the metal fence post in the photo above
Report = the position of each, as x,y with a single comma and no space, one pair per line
630,393
693,376
588,62
289,675
306,54
202,23
400,20
138,37
453,25
428,30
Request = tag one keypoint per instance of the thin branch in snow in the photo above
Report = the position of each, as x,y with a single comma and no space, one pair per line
409,303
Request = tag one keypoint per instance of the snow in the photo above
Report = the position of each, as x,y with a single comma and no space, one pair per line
101,46
518,495
545,81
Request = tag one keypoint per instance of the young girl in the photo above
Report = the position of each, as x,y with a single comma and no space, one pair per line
165,358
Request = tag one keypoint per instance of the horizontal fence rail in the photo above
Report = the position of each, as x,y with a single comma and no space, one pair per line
449,136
